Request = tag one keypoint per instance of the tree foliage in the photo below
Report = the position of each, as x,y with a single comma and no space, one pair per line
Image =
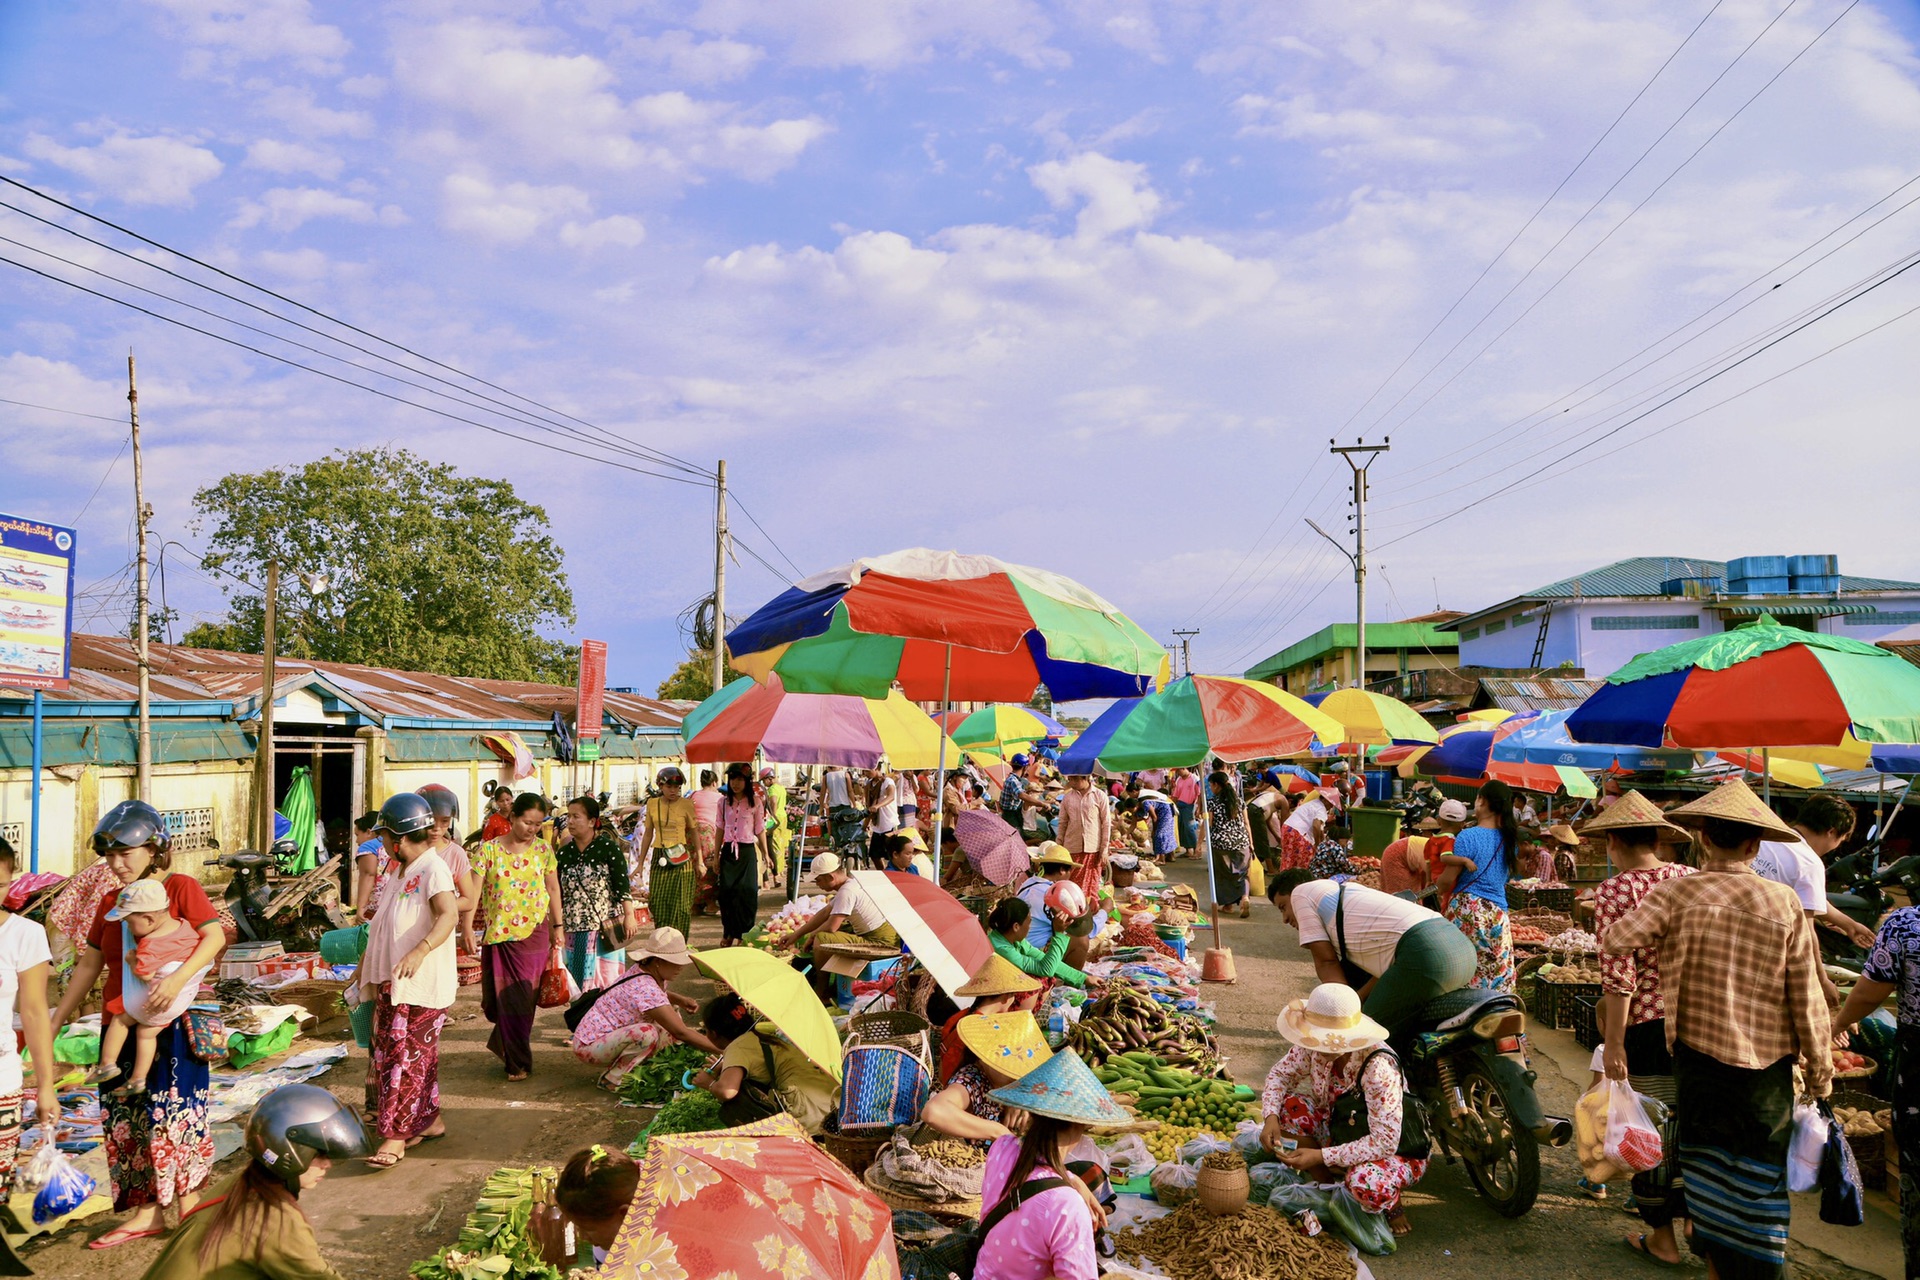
425,569
693,679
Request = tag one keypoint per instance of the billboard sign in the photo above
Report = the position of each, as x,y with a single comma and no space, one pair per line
593,688
36,604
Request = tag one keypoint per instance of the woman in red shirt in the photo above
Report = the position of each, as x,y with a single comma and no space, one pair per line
159,1144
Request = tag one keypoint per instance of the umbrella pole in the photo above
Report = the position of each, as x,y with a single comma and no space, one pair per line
1766,774
1206,851
940,779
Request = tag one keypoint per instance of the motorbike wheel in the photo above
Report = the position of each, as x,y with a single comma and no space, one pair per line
1511,1181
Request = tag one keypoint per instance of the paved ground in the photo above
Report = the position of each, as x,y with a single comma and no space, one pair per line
374,1225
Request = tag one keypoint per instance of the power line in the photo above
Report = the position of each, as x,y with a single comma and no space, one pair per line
47,408
386,395
331,319
778,549
1535,217
103,482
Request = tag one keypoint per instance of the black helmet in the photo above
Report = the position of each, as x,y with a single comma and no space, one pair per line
130,824
286,853
297,1122
405,814
445,803
671,776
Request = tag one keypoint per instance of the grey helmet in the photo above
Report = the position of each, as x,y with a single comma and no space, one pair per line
405,814
297,1123
445,803
129,825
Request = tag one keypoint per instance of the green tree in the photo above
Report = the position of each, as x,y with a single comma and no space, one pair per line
693,679
389,560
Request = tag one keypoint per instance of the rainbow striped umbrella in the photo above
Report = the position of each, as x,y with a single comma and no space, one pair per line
1196,717
946,627
1001,730
1759,685
1374,719
811,728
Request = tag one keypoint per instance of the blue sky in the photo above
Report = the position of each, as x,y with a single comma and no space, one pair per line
1083,285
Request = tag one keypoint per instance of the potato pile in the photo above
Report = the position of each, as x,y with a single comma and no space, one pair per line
1858,1122
1570,974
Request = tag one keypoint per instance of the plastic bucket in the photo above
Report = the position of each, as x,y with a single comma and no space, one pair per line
361,1016
344,946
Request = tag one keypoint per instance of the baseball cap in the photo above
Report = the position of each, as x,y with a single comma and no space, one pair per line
141,895
1452,811
825,864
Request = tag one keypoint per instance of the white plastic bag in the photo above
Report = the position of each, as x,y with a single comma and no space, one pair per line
1633,1142
1590,1135
1809,1145
1129,1158
62,1187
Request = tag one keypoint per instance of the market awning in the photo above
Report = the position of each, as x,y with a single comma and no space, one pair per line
1785,609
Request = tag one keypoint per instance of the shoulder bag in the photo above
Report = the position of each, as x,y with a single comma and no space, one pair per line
1348,1121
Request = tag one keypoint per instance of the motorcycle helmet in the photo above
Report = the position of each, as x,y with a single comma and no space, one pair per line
286,853
445,803
405,814
298,1122
671,775
130,824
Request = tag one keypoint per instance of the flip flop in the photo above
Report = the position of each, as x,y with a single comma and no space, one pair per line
120,1235
383,1160
1638,1244
419,1138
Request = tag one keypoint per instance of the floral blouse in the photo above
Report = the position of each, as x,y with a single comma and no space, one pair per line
593,882
1895,958
1330,860
1318,1078
513,888
980,1101
1636,974
1229,831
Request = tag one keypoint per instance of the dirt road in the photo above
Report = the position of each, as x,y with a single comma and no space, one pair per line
374,1225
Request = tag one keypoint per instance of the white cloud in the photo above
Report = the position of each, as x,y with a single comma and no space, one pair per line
295,107
619,230
886,34
152,170
1114,195
557,107
685,57
287,208
276,156
257,30
507,213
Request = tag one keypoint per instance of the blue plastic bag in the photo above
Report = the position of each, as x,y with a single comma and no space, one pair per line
63,1188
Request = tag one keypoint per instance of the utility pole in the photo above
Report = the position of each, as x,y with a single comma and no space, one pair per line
1360,449
143,760
720,550
263,755
1186,656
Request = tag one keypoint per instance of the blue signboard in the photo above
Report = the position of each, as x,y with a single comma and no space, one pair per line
36,604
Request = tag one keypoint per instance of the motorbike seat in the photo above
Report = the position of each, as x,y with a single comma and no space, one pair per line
246,859
1455,1009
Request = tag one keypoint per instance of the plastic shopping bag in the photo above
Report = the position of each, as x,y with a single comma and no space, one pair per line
1842,1197
1129,1158
557,989
1807,1149
62,1188
1590,1134
1632,1142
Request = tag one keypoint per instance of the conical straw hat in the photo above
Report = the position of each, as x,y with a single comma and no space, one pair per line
1734,801
1632,810
997,977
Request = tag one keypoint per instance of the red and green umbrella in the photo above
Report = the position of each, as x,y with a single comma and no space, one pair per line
746,718
1001,730
1759,685
1194,718
947,626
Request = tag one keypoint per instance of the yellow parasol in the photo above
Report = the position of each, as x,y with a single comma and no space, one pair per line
781,995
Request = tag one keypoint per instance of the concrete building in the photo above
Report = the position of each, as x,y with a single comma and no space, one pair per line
1597,621
363,733
1325,659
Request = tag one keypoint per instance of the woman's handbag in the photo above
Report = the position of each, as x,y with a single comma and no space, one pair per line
755,1101
1348,1119
206,1035
554,991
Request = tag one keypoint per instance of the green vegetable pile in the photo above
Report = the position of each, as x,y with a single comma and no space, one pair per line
658,1078
1170,1094
696,1112
494,1244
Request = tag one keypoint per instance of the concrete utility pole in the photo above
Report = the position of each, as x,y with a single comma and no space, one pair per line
1360,449
143,760
263,754
1186,656
720,550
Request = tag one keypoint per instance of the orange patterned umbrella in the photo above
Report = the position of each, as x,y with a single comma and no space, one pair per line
756,1201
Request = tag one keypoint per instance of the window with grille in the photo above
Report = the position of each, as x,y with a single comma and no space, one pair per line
1496,626
627,793
1469,633
15,834
1660,622
1898,618
190,829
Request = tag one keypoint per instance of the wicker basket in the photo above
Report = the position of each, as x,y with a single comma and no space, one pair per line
1869,1150
887,1025
1223,1192
855,1150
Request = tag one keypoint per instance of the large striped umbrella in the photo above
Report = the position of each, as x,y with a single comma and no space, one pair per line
811,728
1757,686
946,627
943,935
992,845
1374,719
1194,718
1465,755
1001,730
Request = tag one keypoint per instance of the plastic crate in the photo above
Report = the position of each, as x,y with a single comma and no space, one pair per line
1586,1021
1558,1012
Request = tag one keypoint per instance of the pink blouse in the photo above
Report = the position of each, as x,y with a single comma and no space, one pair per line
1050,1235
742,823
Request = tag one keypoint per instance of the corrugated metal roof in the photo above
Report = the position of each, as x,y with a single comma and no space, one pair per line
104,670
1381,636
1644,576
1791,609
1538,693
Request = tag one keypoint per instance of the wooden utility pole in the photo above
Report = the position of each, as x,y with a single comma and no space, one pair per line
1186,657
720,550
263,754
143,760
1359,557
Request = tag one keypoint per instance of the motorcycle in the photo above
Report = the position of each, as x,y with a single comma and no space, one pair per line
1857,885
294,909
1466,1067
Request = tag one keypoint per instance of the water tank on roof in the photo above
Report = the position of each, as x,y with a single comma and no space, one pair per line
1751,567
1692,588
1760,586
1813,566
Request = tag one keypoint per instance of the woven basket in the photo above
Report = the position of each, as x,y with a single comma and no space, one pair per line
1223,1192
887,1026
855,1150
959,1211
1869,1150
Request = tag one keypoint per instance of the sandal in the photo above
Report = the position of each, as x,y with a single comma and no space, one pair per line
120,1235
1638,1243
383,1160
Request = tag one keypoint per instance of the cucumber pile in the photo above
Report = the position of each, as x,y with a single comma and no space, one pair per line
1172,1095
